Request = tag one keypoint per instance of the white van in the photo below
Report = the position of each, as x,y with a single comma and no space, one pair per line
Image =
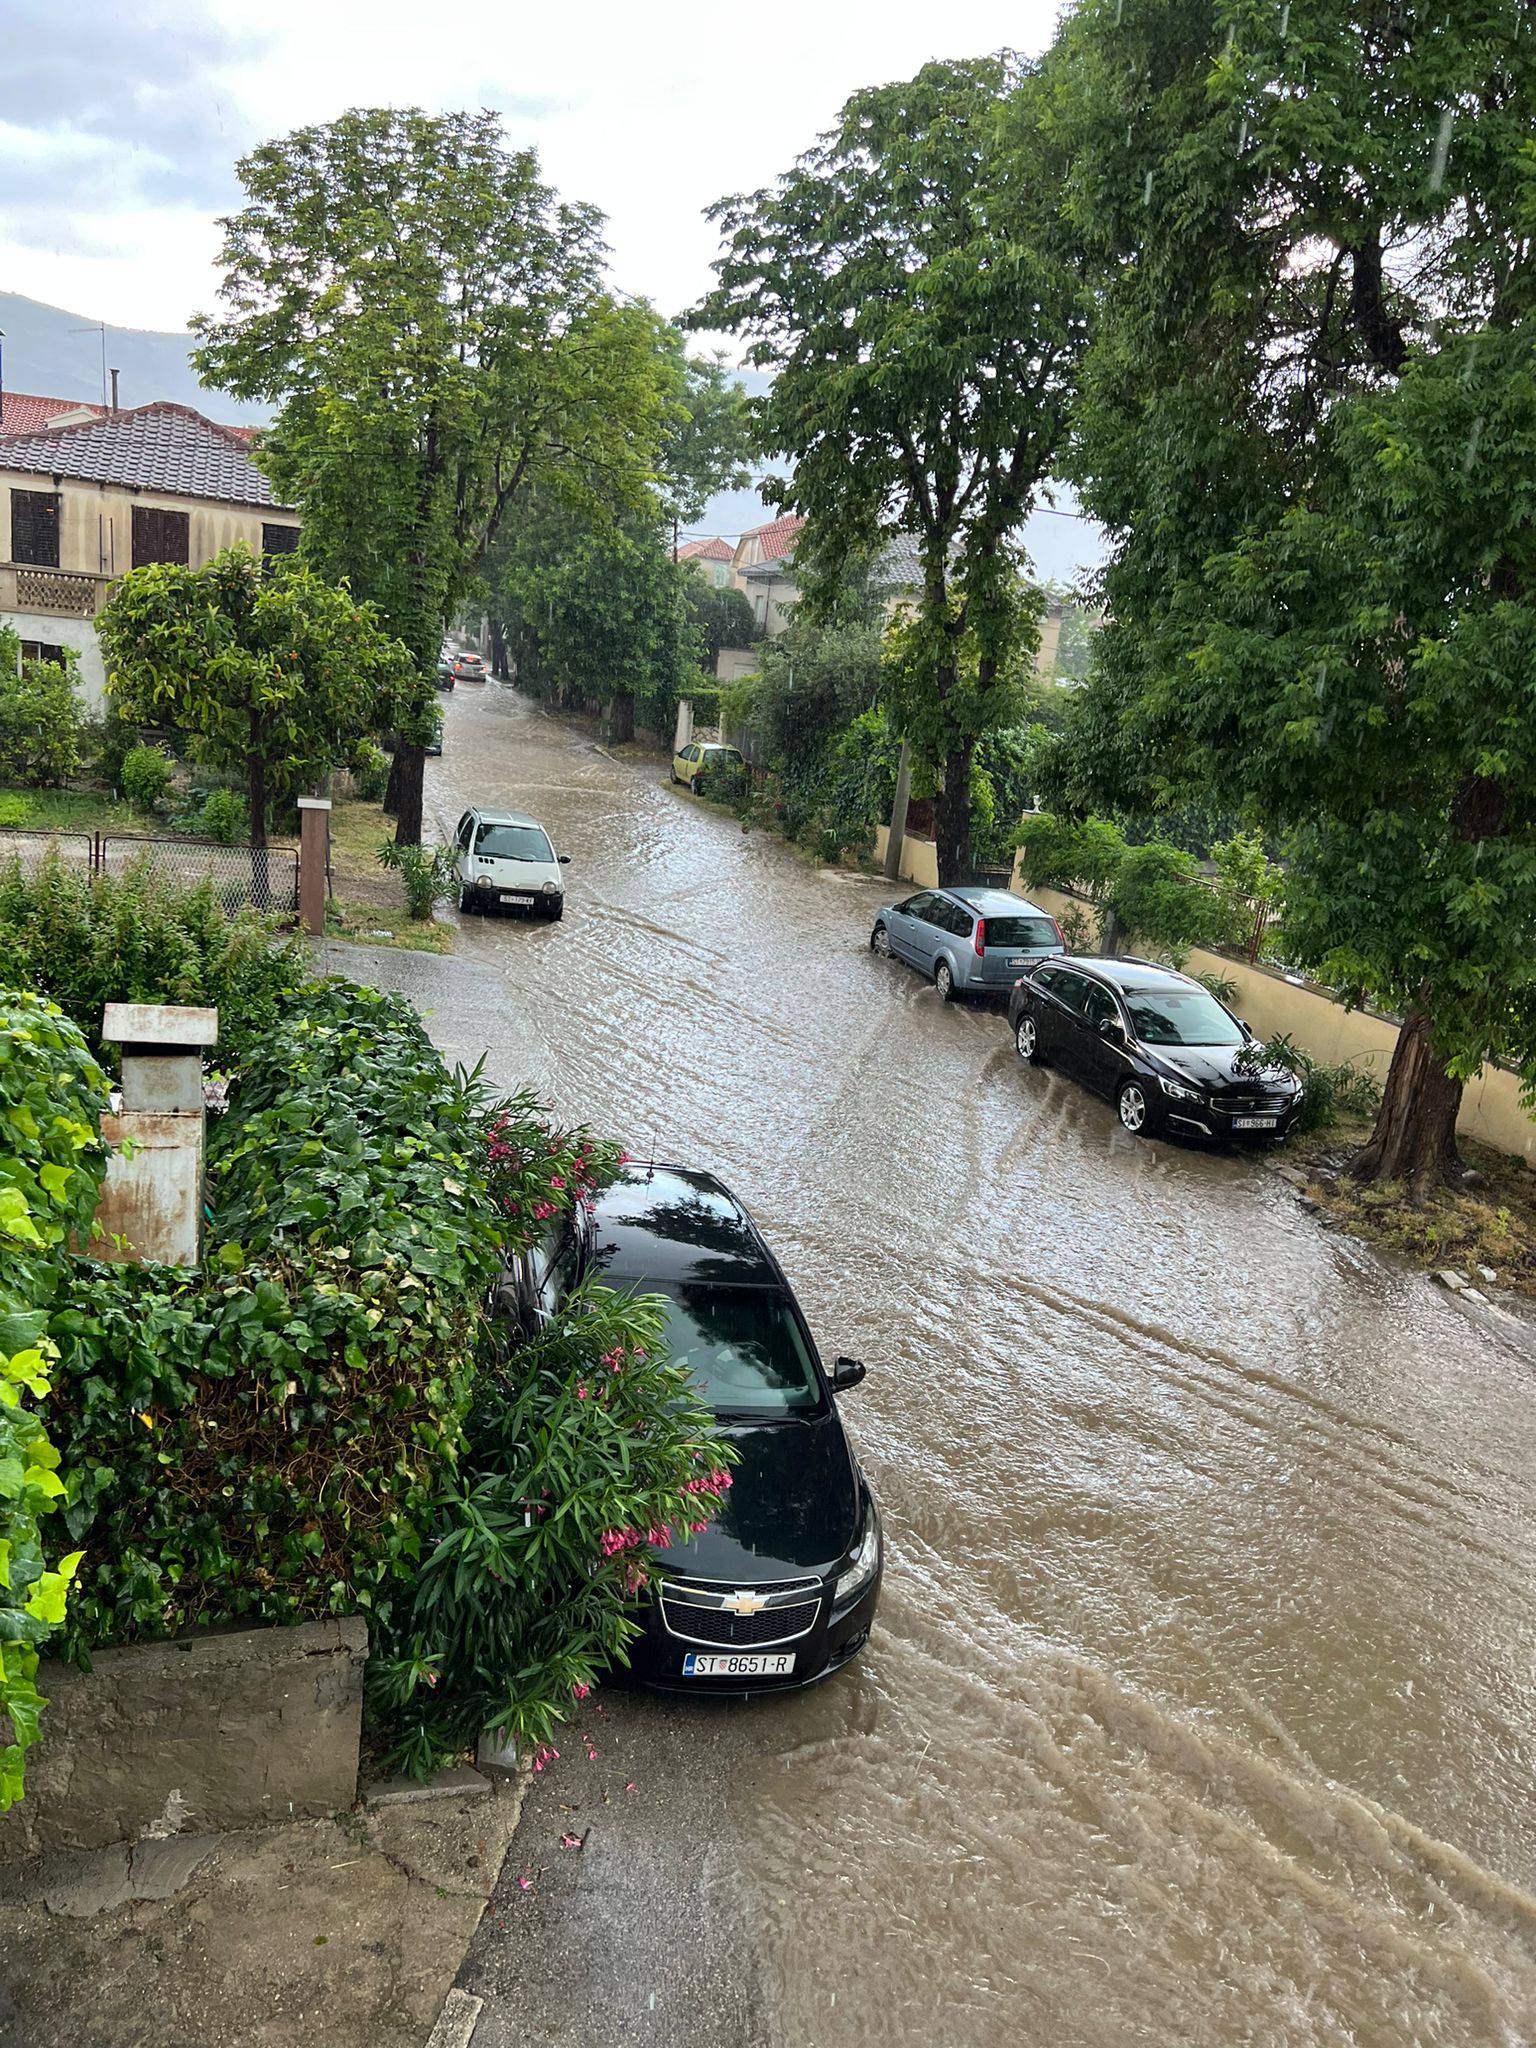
507,858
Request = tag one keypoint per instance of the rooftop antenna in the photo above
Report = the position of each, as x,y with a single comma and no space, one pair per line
2,376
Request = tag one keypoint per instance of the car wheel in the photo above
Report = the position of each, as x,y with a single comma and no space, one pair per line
944,981
1132,1105
466,902
1027,1039
880,942
556,914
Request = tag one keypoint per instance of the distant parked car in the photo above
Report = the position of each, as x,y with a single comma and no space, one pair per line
781,1588
689,763
1159,1045
505,858
967,941
444,672
469,668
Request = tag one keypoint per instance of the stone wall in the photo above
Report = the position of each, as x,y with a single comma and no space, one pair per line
207,1733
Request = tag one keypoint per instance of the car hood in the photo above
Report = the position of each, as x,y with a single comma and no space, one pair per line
792,1506
523,874
1210,1066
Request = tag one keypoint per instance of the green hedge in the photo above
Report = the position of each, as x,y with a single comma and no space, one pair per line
51,1164
140,937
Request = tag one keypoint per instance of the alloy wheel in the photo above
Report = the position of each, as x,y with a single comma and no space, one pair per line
1026,1038
1133,1108
943,981
881,942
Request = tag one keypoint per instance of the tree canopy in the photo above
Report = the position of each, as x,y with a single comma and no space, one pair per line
273,671
910,283
1309,421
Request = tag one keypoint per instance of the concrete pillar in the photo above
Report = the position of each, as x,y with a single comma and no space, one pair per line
684,731
151,1205
895,846
314,849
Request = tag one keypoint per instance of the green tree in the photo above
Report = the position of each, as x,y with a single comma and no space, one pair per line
1310,424
430,319
723,618
706,445
594,609
273,672
41,720
911,283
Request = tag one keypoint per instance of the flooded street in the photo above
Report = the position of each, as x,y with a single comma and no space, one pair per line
1200,1708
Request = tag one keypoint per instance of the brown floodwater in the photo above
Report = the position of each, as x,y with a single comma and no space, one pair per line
1200,1708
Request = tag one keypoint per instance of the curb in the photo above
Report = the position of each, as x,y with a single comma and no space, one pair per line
459,1781
456,2022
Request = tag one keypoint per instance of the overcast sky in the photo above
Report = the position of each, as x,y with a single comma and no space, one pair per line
120,123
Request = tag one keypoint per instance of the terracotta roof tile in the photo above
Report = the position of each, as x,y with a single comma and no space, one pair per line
776,539
23,413
704,551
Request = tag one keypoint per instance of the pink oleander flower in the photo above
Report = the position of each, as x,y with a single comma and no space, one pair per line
556,1181
580,1692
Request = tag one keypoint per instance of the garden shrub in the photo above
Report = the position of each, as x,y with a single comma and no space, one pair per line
146,776
370,772
223,817
140,937
1328,1093
52,1094
41,720
724,781
429,874
14,812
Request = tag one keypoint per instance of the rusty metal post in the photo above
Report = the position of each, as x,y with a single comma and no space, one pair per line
314,853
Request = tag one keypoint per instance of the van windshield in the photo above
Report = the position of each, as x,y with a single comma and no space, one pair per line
514,842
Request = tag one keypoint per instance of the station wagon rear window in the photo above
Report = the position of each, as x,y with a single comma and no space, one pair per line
514,842
1021,933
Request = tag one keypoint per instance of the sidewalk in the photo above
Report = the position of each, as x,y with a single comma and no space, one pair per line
347,1932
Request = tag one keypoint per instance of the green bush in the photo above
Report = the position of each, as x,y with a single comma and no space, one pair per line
430,874
223,817
52,1094
41,720
146,776
515,1613
14,812
1328,1093
724,781
108,741
138,937
370,773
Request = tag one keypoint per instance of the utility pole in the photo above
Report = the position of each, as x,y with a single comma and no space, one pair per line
894,845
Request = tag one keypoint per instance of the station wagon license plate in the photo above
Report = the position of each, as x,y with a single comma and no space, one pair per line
526,902
1254,1123
737,1664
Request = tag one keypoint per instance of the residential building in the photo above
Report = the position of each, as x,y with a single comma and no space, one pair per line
21,412
712,559
762,567
81,504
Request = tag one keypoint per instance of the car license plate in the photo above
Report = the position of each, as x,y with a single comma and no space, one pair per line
737,1665
1254,1123
525,901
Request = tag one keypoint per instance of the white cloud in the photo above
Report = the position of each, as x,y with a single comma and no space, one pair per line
650,114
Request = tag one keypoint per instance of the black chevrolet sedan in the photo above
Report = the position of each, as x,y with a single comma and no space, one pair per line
1159,1045
780,1589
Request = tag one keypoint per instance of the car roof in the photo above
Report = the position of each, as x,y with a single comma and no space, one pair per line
994,902
504,818
1125,972
672,1225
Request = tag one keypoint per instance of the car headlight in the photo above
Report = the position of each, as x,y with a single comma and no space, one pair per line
1178,1089
550,888
865,1561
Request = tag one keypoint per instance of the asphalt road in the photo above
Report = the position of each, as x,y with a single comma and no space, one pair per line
1200,1707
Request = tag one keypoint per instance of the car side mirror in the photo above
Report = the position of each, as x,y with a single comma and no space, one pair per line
1245,1027
1111,1027
564,859
847,1372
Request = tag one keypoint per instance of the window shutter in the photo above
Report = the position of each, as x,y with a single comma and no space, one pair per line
35,528
160,536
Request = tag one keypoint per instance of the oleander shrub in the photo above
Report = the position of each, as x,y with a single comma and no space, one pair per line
1329,1093
141,937
428,874
724,781
51,1164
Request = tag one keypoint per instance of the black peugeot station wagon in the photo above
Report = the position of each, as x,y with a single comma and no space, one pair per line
781,1588
1158,1044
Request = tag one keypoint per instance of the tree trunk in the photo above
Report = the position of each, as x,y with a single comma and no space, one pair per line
395,783
410,761
1414,1140
499,663
256,796
952,817
619,717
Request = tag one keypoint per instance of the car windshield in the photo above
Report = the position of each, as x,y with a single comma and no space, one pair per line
1179,1016
514,842
1022,932
742,1348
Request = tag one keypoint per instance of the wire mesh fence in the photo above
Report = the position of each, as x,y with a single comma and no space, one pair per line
265,878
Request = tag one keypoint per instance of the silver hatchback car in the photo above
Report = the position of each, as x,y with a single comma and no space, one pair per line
967,941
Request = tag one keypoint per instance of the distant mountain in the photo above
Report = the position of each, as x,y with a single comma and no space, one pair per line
58,354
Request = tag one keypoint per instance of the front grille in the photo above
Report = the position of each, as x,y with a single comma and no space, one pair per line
700,1614
1240,1105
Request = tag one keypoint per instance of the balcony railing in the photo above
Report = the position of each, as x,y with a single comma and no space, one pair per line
63,592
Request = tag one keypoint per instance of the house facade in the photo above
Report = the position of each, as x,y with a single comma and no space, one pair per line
81,504
712,560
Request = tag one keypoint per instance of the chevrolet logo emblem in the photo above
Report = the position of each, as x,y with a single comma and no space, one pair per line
743,1603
